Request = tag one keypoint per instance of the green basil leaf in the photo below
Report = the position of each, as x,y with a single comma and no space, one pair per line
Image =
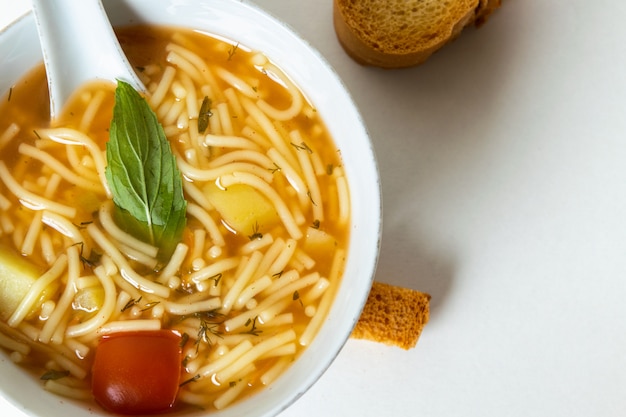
142,174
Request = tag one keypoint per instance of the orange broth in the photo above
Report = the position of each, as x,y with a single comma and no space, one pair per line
303,169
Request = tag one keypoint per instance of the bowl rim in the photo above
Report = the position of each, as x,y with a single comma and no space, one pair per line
363,190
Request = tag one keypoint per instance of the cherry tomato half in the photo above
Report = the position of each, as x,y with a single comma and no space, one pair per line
137,372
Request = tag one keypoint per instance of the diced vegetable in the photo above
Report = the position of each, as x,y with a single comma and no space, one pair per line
87,201
317,240
137,372
88,300
17,275
242,208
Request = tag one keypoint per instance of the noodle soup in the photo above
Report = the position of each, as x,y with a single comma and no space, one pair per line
262,253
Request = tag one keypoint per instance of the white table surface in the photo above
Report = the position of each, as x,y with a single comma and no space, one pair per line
503,163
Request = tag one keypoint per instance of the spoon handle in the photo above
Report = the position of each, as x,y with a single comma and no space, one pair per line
78,45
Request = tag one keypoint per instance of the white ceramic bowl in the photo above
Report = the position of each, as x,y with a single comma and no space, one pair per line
20,51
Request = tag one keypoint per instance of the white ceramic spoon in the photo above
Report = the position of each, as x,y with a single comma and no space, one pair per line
78,45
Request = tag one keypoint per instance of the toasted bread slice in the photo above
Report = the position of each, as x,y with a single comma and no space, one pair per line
393,315
403,33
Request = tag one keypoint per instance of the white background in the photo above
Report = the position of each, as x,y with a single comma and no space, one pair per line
504,181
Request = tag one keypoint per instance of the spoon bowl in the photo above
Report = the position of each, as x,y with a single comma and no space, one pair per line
78,45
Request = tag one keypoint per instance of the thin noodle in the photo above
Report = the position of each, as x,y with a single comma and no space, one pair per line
236,82
292,176
59,331
295,106
284,350
251,263
90,325
8,135
305,259
239,156
52,185
28,245
181,309
270,256
174,263
127,272
164,107
271,374
93,105
207,221
13,345
84,165
18,235
257,244
137,256
192,191
73,137
29,330
283,258
81,349
254,134
309,176
110,268
270,313
251,290
324,306
69,392
224,141
121,302
177,60
65,301
86,282
251,355
315,292
215,122
318,165
215,269
191,99
128,326
36,289
74,369
31,200
201,400
284,320
225,360
225,119
173,113
65,227
234,102
109,225
197,62
199,237
4,203
269,129
284,292
214,173
47,247
166,80
230,394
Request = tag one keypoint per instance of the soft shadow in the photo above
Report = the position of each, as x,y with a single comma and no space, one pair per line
428,119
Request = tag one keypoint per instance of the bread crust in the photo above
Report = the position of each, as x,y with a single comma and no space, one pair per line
393,315
391,43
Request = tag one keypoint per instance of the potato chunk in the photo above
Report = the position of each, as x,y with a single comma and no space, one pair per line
242,208
16,277
319,241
